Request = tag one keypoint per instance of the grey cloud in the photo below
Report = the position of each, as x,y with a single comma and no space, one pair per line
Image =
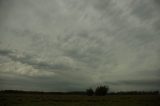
29,60
142,83
41,85
82,42
136,83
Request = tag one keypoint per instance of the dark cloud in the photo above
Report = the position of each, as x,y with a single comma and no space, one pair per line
143,10
103,5
6,52
136,83
157,2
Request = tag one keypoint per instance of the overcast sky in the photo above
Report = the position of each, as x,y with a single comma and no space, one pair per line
63,45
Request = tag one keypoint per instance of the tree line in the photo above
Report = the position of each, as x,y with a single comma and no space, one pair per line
99,91
103,90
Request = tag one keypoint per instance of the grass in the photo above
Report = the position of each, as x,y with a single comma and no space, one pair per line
78,100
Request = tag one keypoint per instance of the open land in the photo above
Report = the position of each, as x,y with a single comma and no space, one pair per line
20,99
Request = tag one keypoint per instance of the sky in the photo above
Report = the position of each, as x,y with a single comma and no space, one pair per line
69,45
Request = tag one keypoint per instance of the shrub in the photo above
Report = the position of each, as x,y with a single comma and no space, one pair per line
89,92
101,90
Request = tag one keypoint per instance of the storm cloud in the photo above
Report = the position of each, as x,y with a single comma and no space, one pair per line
59,45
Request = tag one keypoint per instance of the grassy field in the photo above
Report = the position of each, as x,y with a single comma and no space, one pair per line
77,100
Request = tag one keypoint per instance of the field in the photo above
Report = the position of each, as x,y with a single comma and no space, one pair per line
78,100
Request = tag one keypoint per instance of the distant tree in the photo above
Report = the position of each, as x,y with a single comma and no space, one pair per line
90,92
101,90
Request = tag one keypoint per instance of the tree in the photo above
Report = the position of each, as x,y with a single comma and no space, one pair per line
101,90
90,92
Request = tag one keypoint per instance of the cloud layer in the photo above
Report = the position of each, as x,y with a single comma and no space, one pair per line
75,44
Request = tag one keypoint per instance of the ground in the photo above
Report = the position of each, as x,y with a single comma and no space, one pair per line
78,100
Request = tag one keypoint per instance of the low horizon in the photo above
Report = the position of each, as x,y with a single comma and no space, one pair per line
81,91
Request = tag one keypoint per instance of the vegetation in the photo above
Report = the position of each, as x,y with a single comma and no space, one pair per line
44,99
90,92
79,98
101,90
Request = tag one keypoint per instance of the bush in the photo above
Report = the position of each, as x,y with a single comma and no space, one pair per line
89,92
101,90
